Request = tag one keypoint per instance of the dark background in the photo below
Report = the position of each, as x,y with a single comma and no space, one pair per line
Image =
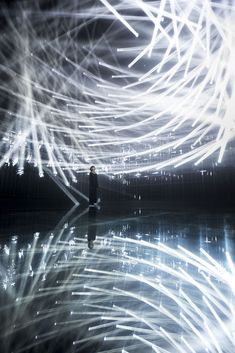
214,187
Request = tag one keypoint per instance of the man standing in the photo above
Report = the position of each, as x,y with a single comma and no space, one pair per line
92,227
93,185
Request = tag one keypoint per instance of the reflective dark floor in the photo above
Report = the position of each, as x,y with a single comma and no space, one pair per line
118,279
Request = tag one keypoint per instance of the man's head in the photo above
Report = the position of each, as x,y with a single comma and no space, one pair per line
92,169
90,244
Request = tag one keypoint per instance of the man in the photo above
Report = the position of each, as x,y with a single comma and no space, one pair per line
92,227
93,185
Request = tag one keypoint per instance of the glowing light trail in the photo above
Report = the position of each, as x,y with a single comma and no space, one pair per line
158,77
135,294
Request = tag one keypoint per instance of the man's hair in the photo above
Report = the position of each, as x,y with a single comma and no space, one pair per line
92,167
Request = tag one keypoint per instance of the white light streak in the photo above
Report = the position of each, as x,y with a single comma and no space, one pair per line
101,97
139,295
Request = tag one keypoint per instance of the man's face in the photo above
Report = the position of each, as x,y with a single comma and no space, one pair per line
93,169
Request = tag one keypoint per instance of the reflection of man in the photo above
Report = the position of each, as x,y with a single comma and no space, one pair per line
92,228
93,185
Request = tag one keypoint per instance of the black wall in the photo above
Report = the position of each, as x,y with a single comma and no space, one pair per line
30,191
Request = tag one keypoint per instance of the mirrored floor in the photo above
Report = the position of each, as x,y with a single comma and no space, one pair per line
134,280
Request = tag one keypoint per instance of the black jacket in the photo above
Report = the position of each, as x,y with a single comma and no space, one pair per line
93,181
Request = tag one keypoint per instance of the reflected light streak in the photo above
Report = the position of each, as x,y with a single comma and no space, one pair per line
133,293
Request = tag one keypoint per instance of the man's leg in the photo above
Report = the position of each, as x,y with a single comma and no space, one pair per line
92,196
